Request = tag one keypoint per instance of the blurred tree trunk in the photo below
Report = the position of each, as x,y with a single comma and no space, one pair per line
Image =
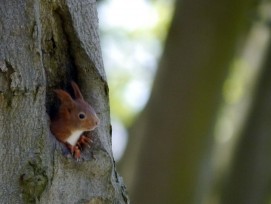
171,139
249,179
44,45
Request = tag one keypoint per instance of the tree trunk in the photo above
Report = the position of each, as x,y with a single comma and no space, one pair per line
249,179
44,45
176,127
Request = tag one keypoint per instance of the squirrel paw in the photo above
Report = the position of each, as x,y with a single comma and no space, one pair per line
75,151
84,141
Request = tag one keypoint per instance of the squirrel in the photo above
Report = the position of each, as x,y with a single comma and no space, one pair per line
74,117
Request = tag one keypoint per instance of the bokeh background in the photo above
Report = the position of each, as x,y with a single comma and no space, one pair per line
190,97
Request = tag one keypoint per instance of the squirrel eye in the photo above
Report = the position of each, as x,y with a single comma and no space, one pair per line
82,116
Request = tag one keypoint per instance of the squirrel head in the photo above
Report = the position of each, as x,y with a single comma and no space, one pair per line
76,113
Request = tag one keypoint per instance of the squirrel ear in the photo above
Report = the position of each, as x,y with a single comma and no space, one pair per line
64,97
76,90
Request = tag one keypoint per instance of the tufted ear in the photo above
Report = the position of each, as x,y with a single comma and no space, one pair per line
77,91
64,97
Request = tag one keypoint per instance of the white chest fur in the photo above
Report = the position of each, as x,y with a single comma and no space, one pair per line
74,137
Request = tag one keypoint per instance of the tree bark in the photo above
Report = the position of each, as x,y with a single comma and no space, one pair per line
44,45
176,128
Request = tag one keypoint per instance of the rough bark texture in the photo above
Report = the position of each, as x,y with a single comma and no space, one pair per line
176,128
44,45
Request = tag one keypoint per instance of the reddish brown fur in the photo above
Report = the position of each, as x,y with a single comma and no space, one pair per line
67,119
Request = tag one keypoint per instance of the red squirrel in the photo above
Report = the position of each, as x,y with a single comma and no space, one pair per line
75,116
